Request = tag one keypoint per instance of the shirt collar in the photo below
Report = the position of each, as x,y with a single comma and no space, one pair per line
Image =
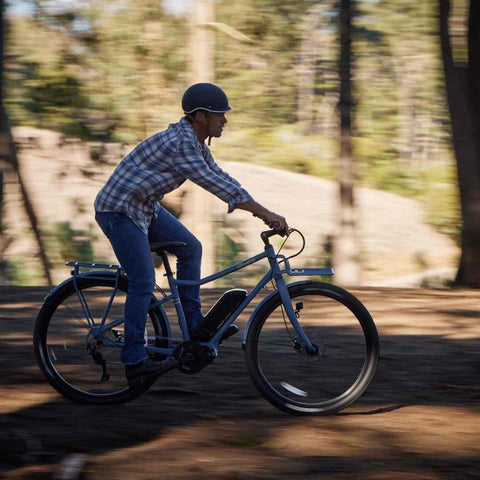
187,128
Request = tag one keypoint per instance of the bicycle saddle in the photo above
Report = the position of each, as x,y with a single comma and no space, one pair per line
161,246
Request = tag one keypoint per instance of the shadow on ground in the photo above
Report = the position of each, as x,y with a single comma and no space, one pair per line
432,371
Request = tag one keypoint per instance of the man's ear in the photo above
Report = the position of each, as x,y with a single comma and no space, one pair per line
201,117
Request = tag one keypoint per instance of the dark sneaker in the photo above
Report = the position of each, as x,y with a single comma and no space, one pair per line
145,370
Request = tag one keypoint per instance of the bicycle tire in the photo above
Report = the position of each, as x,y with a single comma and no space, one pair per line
351,328
47,359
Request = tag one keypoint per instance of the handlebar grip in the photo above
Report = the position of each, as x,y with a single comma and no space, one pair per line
267,234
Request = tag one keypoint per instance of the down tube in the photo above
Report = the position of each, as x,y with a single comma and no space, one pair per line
264,280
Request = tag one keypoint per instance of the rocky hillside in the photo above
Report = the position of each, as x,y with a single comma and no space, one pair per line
63,175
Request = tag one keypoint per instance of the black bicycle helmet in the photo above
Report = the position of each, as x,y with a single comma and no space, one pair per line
205,96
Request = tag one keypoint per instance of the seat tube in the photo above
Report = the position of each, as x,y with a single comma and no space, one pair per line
179,309
182,322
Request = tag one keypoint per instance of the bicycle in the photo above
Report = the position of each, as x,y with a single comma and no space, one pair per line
311,347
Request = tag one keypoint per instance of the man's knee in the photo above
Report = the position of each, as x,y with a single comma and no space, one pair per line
141,285
197,249
191,251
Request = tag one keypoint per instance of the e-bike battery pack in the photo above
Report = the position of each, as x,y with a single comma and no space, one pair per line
220,312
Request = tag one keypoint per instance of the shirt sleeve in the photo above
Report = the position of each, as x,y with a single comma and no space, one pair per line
190,161
216,168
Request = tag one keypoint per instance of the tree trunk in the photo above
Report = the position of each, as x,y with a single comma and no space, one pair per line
464,104
201,36
306,68
315,46
346,244
198,204
407,83
8,161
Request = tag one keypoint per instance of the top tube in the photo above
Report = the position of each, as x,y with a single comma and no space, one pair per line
226,271
269,252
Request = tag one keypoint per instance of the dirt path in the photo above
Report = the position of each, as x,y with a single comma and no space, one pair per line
419,418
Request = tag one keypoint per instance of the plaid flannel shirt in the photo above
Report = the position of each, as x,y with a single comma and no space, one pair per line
160,164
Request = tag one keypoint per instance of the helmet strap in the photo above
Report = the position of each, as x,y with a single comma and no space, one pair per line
208,128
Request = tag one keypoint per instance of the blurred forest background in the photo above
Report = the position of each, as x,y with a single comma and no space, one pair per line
352,92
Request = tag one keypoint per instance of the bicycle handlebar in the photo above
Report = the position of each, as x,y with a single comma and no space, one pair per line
270,233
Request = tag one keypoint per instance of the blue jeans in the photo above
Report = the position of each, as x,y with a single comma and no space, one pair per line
132,248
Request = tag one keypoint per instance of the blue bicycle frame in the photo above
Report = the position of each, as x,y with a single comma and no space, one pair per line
275,273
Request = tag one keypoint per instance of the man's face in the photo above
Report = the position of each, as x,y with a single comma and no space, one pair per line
217,121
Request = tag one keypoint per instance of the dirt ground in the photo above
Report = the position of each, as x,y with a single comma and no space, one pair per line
419,419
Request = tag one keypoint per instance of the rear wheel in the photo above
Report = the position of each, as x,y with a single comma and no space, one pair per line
336,373
76,364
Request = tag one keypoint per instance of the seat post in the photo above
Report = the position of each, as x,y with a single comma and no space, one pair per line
166,265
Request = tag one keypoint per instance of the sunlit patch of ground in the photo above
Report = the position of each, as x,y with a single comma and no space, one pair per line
419,419
415,440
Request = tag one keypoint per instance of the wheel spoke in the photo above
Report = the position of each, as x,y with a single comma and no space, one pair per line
77,316
277,344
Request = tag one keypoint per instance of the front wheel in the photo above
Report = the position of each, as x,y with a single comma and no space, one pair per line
319,382
78,365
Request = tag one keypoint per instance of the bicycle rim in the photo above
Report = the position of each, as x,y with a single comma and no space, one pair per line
342,367
82,366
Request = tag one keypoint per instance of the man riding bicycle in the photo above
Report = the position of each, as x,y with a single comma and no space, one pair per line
129,214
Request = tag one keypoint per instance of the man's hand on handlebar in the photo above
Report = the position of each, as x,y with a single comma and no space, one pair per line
277,222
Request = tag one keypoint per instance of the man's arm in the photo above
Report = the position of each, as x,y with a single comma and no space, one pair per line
273,220
216,168
191,163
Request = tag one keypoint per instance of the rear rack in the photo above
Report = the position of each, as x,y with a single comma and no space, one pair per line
83,302
94,265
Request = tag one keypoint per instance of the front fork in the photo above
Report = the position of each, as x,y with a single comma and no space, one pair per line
310,348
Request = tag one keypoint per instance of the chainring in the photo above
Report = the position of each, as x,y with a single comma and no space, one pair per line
193,357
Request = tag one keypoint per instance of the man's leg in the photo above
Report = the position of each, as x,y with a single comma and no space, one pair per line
132,249
166,228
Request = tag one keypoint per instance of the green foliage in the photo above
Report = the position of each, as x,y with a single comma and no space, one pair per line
324,259
71,244
229,252
282,148
106,80
116,72
442,204
19,272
